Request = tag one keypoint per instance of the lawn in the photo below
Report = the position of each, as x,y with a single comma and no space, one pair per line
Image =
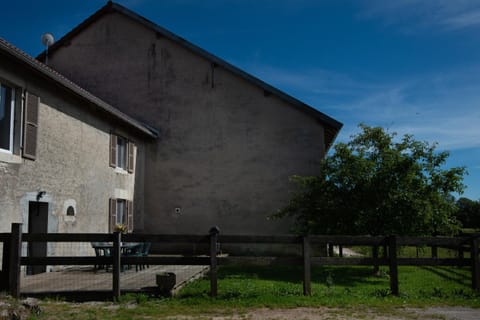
336,286
241,289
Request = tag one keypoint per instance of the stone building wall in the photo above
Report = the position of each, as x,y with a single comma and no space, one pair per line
226,147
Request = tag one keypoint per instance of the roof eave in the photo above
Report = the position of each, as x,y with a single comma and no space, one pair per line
114,7
57,78
220,62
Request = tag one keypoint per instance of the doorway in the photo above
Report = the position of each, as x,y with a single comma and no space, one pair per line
37,223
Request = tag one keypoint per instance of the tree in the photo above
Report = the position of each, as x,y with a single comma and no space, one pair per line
378,186
468,213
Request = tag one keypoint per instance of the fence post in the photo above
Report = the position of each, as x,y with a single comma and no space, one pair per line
4,282
340,251
307,272
330,249
214,231
392,253
475,264
376,266
15,256
116,265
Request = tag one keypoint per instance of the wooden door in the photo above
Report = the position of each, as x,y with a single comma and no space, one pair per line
37,223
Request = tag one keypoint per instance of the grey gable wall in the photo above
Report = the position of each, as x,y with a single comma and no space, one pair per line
226,148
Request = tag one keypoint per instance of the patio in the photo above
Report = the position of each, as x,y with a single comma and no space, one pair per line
87,279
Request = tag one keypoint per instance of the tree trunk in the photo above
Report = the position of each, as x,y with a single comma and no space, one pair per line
376,267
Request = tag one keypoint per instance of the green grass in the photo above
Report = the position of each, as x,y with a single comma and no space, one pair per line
242,288
336,286
414,252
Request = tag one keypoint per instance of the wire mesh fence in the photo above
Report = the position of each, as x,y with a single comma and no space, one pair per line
52,263
81,278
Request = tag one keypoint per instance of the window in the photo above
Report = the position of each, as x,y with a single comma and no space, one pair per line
121,153
7,113
11,134
121,213
30,126
70,211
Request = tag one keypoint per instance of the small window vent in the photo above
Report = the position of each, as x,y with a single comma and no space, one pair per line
71,211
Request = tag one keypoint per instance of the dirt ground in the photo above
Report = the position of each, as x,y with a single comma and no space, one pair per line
11,309
444,313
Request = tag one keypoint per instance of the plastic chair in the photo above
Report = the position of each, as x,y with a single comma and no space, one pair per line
143,252
102,249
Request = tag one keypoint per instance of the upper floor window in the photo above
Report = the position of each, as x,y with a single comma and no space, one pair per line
7,114
122,153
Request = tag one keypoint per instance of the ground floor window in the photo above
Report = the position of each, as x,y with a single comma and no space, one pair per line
15,135
121,215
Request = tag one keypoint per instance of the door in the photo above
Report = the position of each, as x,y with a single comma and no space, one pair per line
37,223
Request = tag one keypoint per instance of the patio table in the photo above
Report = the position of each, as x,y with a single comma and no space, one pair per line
106,249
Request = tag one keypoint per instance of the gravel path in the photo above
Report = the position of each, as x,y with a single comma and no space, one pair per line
453,313
444,313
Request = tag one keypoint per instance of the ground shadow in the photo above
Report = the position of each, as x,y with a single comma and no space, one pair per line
342,276
450,274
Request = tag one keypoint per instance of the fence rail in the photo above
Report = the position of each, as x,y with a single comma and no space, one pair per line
12,259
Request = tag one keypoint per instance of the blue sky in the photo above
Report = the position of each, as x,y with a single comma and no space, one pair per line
412,66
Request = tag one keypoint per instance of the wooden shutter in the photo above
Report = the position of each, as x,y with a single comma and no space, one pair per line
30,126
113,150
131,157
129,216
113,214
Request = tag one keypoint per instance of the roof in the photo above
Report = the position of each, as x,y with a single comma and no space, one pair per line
332,126
49,73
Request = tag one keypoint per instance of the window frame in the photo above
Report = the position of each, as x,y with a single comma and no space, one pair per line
127,214
13,100
125,162
121,204
121,156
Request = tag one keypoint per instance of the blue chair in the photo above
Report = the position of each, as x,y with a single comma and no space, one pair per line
102,249
143,252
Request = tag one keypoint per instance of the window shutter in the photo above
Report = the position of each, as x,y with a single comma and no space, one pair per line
131,158
129,216
30,126
113,214
113,150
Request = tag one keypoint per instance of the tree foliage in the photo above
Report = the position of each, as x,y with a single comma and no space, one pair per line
377,184
468,213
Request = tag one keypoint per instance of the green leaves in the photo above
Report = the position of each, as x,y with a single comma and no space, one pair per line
375,185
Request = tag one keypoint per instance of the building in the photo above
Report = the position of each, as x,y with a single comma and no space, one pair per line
226,143
59,171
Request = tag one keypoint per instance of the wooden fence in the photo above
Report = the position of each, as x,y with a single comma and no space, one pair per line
13,260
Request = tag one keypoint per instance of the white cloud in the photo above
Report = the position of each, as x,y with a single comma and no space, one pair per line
443,108
414,14
463,20
448,117
313,82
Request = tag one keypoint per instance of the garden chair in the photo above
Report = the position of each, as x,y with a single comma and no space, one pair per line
102,249
145,250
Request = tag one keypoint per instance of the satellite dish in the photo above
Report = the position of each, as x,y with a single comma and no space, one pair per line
47,39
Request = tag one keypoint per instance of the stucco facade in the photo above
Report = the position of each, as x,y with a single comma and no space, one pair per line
71,171
227,141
